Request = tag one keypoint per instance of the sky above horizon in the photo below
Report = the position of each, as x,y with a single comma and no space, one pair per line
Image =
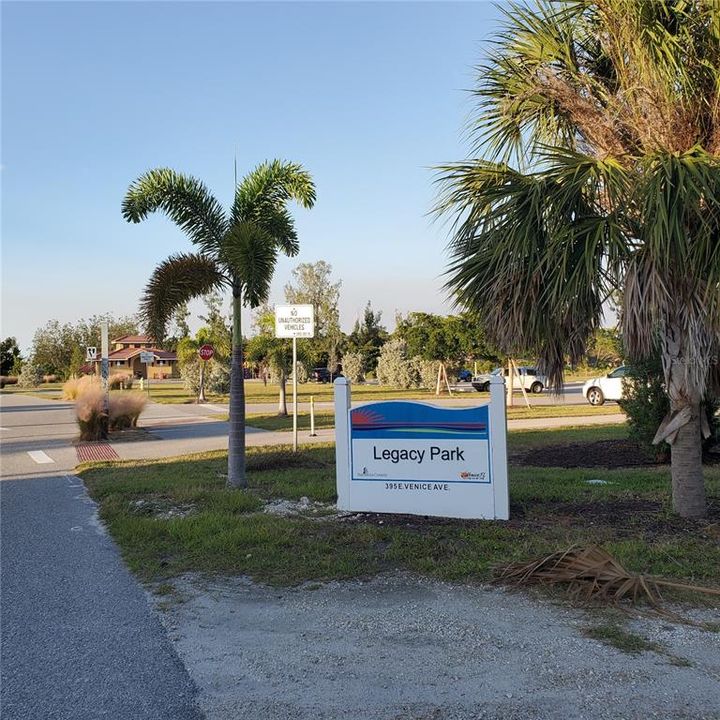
368,96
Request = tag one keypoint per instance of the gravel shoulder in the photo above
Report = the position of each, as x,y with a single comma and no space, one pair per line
400,647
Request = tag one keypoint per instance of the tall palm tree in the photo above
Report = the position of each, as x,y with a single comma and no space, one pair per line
236,251
599,123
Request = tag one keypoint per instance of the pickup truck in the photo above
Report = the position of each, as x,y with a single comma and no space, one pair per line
529,378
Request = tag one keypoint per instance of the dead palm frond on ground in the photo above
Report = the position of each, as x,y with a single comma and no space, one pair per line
591,574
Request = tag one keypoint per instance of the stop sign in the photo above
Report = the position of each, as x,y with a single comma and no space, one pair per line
206,352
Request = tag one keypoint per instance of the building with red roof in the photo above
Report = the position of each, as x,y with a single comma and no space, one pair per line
124,358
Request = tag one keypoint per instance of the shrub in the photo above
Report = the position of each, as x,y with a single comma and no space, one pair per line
7,380
394,367
217,376
125,410
427,372
646,404
50,378
30,376
352,364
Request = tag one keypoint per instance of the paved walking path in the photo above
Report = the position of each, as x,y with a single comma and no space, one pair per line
79,639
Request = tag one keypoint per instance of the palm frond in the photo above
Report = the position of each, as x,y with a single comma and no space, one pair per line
262,197
615,77
176,280
530,253
673,279
250,254
185,200
592,574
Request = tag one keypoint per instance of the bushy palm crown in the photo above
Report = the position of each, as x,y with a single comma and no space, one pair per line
236,251
600,122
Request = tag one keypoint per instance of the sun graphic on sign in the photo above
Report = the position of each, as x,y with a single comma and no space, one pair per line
366,418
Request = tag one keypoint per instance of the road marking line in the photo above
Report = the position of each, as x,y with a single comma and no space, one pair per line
40,457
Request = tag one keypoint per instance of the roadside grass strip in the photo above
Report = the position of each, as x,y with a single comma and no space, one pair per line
175,516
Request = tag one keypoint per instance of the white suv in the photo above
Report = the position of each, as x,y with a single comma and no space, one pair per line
530,379
609,387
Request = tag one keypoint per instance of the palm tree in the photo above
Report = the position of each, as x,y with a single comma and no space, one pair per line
600,126
236,251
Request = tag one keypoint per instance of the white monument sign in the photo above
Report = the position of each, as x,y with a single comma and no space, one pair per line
294,321
410,457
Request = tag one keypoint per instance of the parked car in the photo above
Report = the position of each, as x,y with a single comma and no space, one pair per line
608,387
529,378
464,376
323,375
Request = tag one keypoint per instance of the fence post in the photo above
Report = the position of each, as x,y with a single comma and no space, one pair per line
342,442
312,416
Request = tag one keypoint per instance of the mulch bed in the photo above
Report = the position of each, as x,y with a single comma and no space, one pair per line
622,518
601,454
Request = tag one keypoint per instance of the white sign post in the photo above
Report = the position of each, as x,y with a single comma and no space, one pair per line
294,321
421,459
147,358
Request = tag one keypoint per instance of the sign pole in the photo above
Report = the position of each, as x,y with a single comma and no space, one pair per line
295,407
294,321
105,373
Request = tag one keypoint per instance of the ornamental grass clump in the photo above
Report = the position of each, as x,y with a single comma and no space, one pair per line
90,413
74,387
93,421
125,410
120,381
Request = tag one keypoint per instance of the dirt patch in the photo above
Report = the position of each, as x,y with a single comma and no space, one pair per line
631,517
601,454
406,648
626,517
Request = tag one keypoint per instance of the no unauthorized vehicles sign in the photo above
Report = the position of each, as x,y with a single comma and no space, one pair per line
294,321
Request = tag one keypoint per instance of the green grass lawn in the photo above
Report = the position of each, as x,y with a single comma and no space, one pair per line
551,508
51,391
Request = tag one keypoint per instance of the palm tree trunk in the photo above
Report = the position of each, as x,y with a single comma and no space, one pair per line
282,403
236,440
688,486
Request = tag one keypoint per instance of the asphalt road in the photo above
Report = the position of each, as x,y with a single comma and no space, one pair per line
79,639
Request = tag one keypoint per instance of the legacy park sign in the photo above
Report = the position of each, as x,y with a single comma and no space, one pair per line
410,457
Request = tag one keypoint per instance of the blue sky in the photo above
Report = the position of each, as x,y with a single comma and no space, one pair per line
367,96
